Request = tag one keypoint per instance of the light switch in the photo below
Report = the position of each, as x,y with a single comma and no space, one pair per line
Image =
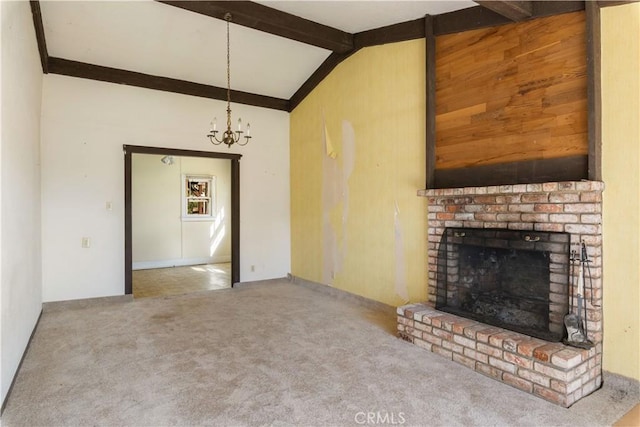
86,242
109,206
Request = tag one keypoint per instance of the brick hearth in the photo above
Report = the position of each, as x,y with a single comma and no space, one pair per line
553,371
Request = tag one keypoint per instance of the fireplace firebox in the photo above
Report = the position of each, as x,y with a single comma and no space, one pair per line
516,280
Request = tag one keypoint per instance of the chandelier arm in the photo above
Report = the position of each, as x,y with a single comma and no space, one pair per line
246,141
214,139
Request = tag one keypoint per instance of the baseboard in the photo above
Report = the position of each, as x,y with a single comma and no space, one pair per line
341,294
180,262
86,302
24,354
240,285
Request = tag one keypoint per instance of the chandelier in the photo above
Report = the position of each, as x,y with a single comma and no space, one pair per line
229,137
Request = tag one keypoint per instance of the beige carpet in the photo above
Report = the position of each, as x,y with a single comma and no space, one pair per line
270,353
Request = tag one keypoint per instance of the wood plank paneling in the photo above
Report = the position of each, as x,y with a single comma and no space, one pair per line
511,94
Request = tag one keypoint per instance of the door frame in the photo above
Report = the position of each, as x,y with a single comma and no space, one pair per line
235,205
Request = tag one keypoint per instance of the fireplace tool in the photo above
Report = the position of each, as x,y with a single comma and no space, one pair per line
576,321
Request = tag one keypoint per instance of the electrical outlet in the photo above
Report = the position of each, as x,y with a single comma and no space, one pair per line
253,268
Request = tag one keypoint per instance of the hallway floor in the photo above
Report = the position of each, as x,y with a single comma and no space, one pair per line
161,282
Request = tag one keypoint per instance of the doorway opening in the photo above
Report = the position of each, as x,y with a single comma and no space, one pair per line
198,209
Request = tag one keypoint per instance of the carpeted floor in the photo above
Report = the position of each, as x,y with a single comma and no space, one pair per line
268,353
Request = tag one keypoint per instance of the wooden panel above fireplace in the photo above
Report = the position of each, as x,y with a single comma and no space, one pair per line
512,100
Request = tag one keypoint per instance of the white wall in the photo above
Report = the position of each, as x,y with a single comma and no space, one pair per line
155,210
202,239
161,238
21,280
84,125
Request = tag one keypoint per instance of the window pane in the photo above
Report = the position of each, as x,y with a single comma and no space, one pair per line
198,207
198,189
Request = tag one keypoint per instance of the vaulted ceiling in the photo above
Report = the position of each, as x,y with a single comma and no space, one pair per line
279,49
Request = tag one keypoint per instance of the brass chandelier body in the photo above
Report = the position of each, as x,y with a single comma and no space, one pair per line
229,137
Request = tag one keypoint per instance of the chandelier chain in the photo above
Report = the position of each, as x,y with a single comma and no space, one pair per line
227,18
228,136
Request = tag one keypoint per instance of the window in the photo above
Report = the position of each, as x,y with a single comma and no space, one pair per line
198,201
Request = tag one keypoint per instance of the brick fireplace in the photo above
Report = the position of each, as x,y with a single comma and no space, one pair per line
551,370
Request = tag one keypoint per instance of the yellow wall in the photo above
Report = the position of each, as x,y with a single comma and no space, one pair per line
380,91
344,222
621,166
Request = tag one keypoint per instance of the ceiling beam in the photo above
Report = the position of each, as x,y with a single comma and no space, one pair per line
272,21
513,10
549,8
403,31
474,18
607,3
42,43
453,22
314,80
285,25
114,75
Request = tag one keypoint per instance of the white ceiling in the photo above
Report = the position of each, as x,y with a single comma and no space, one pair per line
158,39
360,15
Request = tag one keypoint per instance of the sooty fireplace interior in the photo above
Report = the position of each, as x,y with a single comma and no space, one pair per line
517,280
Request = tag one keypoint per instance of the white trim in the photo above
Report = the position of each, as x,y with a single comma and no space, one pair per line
181,262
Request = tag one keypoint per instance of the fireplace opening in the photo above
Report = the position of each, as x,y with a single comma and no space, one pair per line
517,280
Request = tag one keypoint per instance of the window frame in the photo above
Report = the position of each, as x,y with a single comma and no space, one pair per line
186,181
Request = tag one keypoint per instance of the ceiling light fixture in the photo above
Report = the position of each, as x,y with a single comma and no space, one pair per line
229,137
167,160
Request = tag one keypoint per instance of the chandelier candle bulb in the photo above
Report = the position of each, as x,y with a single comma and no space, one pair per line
239,125
248,129
214,124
